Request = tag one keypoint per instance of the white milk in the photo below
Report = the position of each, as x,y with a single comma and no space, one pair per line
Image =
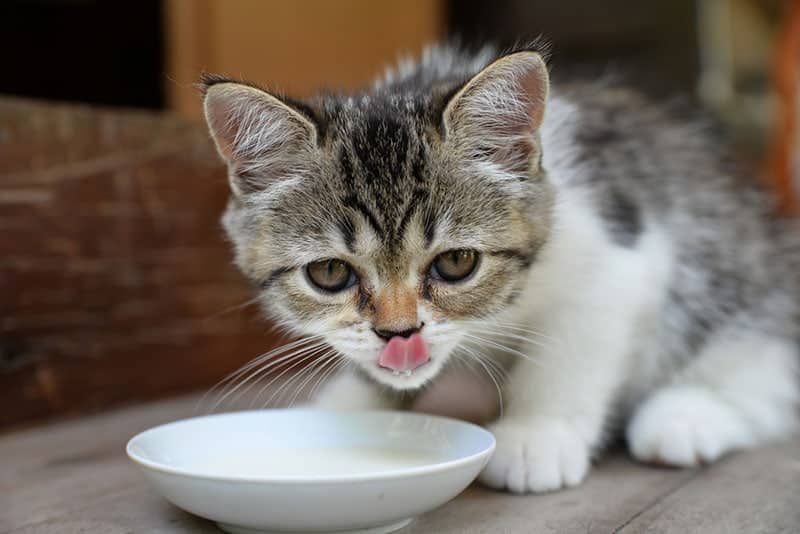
321,462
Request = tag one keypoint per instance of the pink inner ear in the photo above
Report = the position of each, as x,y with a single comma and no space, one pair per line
222,126
533,83
404,354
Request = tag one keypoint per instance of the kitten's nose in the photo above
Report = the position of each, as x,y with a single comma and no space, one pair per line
389,334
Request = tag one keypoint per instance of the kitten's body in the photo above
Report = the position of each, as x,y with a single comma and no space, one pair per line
661,292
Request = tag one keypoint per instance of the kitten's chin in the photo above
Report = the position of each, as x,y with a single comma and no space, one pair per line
407,380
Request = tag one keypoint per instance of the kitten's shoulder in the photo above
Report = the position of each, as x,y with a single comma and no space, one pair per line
611,118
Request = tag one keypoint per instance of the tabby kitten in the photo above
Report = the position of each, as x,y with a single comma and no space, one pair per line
600,251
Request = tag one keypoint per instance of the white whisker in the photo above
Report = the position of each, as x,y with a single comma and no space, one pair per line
340,364
234,308
501,347
480,360
302,356
299,354
319,368
278,393
518,328
509,335
251,364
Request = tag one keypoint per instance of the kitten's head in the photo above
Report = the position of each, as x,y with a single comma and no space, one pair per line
390,222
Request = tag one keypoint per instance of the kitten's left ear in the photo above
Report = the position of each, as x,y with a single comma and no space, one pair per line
497,114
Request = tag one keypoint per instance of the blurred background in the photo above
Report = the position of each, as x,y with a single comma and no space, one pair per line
115,283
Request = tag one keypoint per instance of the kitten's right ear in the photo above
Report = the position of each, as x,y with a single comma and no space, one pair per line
260,137
497,114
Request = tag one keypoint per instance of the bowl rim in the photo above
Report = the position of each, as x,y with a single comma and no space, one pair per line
395,474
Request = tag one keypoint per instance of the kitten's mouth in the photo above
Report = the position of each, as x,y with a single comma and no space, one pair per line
402,356
405,379
404,372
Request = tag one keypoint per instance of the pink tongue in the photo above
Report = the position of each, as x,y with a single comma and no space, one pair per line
404,354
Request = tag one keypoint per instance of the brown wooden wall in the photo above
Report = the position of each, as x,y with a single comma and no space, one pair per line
113,271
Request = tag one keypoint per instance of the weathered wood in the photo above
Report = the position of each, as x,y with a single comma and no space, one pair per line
73,476
65,467
616,490
113,270
757,492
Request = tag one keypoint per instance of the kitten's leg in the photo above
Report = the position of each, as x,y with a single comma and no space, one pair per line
557,405
739,392
350,391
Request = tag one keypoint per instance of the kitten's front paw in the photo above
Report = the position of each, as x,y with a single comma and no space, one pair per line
684,427
536,456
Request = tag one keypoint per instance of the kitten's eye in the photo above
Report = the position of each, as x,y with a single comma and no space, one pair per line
331,275
454,265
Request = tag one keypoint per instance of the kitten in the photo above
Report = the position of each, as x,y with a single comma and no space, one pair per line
603,253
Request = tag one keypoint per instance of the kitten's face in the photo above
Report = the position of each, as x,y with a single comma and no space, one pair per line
388,218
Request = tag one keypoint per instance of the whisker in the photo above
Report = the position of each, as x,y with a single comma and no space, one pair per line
293,378
331,357
520,327
330,363
300,354
480,361
259,359
233,308
339,365
265,364
509,336
498,369
281,387
253,363
501,347
300,357
278,393
517,328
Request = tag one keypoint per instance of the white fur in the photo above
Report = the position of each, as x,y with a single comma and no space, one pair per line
739,392
563,394
537,454
351,392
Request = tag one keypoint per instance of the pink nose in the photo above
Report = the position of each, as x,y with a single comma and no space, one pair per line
404,354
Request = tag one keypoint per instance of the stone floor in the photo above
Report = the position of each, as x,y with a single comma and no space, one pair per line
73,476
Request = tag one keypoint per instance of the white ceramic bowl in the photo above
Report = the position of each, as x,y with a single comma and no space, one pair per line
308,470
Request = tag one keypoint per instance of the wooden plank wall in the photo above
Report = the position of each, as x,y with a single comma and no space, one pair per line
113,269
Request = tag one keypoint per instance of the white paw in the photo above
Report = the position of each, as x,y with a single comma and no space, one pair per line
536,456
685,427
